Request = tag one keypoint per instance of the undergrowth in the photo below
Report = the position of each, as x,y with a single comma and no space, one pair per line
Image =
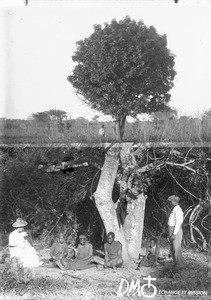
190,277
18,280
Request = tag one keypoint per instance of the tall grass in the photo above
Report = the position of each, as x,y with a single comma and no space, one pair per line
181,129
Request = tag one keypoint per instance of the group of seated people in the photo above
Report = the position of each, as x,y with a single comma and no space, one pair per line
73,259
76,258
82,257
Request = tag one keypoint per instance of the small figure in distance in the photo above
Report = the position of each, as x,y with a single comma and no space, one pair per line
113,252
152,255
102,134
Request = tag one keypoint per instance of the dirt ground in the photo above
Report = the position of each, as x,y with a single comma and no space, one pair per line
104,284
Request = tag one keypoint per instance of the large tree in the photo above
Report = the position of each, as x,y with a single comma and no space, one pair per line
123,69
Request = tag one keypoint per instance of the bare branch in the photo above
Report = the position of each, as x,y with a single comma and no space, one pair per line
202,223
153,166
182,165
149,167
194,212
204,243
182,186
187,211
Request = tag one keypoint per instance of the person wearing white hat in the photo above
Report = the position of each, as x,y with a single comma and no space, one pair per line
19,247
175,230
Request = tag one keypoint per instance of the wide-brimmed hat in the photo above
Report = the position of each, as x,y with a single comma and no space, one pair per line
173,198
19,223
82,236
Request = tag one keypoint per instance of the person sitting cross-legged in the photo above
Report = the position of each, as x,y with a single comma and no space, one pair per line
113,252
59,250
152,255
84,253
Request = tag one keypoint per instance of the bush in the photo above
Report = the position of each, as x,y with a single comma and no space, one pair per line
13,275
48,202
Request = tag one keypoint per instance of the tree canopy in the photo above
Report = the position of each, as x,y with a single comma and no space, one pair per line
124,69
52,114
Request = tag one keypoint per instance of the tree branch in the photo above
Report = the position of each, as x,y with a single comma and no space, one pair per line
182,165
152,166
183,187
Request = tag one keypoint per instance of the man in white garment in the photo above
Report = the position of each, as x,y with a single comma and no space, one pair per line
175,230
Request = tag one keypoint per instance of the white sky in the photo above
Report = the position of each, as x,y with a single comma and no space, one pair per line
38,40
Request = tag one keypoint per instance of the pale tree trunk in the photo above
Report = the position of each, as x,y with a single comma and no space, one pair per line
103,197
134,221
134,225
130,233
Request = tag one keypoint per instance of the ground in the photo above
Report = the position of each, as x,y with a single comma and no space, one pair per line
99,284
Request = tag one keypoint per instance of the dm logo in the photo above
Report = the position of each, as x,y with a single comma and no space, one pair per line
147,290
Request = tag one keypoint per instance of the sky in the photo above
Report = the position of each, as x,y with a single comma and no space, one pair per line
38,40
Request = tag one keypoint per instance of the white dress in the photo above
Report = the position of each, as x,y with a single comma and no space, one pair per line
21,248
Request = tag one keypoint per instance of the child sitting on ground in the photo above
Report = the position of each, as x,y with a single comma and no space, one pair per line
59,250
151,256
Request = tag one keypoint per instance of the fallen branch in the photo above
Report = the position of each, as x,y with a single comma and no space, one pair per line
75,277
65,167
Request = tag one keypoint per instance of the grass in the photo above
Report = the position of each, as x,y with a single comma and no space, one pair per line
165,130
103,285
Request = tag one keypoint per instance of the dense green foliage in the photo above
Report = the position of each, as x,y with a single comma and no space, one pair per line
124,69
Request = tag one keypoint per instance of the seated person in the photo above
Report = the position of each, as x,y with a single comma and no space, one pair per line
84,253
20,248
113,252
59,250
152,255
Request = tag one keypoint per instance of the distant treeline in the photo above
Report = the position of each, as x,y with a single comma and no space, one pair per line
163,127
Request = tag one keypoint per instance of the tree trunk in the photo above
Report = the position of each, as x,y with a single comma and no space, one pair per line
120,128
134,220
103,197
130,233
134,225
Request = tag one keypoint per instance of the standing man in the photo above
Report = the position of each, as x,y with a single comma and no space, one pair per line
175,230
102,134
113,252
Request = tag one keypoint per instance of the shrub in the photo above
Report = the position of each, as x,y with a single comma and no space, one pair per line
13,275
